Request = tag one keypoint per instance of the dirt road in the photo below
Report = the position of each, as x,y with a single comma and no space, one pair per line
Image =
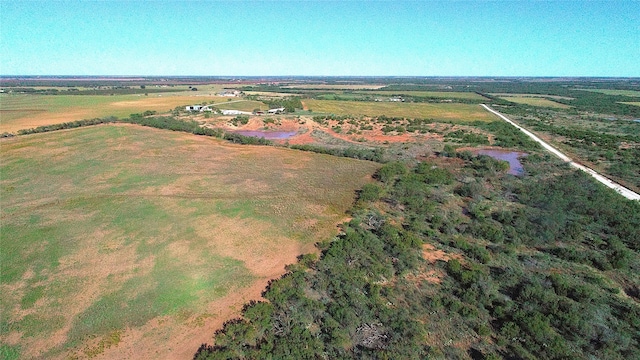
611,184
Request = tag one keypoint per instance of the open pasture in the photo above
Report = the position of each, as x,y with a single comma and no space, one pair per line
632,93
29,111
270,94
443,111
535,101
335,86
242,105
547,96
129,242
637,103
432,94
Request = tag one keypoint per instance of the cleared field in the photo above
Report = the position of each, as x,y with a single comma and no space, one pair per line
242,105
632,103
270,94
28,111
453,112
121,241
553,97
334,87
535,101
633,93
434,94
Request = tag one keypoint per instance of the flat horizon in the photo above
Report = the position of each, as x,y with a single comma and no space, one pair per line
55,76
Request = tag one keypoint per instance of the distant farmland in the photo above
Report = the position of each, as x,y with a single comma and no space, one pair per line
535,101
632,93
134,242
242,105
444,111
432,94
28,111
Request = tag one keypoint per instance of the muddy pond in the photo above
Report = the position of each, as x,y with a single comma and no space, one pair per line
269,135
515,166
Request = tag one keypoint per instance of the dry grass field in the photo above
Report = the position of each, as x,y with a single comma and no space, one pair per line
535,101
29,111
120,241
444,111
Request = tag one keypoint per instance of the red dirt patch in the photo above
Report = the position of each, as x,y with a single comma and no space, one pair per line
304,126
432,255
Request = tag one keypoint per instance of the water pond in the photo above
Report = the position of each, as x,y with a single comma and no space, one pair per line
269,135
515,166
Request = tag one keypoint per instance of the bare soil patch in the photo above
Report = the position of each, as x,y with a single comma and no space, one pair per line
432,255
304,128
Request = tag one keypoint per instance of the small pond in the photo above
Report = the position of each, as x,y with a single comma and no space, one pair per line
515,166
269,135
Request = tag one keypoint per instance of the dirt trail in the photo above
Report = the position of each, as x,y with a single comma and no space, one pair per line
607,182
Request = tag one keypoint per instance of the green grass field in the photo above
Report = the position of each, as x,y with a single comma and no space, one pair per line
535,101
450,112
242,105
632,93
122,230
637,103
335,86
551,97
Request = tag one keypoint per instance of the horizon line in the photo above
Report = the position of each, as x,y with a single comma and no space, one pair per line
320,76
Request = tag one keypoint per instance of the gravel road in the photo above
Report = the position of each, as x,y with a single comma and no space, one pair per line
609,183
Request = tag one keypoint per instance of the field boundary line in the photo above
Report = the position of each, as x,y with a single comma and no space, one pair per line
629,194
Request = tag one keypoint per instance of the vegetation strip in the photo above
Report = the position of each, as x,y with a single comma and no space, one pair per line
501,285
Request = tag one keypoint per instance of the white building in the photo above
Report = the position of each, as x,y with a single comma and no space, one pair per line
276,111
199,108
235,112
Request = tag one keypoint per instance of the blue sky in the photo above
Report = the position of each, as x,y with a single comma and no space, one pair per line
333,38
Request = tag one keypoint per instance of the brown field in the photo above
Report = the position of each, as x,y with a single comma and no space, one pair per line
120,241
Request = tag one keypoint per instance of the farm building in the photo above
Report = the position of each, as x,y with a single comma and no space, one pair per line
199,108
276,111
235,112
